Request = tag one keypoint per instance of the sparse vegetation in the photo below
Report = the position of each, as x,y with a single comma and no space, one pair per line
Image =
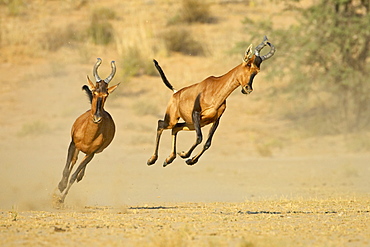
15,7
33,129
325,62
56,38
136,64
313,192
193,11
14,213
100,30
179,39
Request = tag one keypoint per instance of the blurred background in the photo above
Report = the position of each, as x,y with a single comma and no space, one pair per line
310,106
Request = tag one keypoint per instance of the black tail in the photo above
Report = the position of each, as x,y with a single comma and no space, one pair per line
163,76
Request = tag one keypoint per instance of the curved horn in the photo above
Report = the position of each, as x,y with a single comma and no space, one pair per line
95,70
260,46
110,77
271,52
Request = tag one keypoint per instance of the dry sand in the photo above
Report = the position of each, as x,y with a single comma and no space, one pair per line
258,185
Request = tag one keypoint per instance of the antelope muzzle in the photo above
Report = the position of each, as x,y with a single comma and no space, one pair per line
247,89
97,117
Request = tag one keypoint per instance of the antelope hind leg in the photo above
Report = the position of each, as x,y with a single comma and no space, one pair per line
178,127
81,174
199,138
195,159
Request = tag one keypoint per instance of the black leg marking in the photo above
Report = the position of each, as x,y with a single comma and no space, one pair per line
196,121
206,145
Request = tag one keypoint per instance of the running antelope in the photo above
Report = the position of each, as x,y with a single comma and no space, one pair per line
204,103
92,132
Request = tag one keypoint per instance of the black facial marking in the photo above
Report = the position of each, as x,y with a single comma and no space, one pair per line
251,80
258,61
99,103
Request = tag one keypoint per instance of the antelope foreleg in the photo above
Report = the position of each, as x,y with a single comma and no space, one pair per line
195,159
81,167
71,160
154,157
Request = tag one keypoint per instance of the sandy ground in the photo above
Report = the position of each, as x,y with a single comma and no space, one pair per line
258,185
232,197
329,222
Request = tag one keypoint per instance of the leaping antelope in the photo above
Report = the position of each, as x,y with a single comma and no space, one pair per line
92,132
204,103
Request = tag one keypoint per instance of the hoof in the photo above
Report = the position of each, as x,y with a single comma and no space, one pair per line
152,160
191,162
61,199
169,160
165,163
56,201
184,155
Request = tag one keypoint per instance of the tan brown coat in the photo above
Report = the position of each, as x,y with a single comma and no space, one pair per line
204,103
91,133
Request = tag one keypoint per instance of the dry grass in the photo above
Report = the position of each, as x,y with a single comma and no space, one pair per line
101,30
193,11
179,39
34,128
14,7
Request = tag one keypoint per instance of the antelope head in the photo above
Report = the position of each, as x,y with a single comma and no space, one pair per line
99,91
251,64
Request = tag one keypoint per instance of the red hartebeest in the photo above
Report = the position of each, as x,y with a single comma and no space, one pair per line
92,132
205,102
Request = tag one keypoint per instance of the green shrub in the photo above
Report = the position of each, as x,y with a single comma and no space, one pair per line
15,7
103,14
181,40
323,64
100,30
193,11
136,64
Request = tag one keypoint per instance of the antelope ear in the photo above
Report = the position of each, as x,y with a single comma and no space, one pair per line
91,85
112,88
248,53
88,92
